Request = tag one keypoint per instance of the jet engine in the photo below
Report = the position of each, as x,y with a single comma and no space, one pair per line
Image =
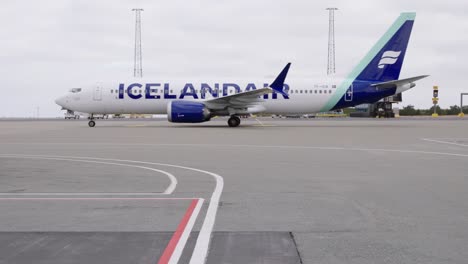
187,112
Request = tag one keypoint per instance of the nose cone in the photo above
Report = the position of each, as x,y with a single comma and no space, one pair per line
61,101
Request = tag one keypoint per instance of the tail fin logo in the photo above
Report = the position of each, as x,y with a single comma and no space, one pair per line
388,58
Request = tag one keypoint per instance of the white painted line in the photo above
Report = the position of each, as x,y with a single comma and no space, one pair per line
185,235
320,148
260,122
269,146
204,237
202,246
304,148
168,190
444,142
451,138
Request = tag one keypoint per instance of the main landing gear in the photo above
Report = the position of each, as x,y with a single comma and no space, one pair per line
91,122
234,121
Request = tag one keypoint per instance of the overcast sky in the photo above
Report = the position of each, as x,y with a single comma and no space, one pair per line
50,46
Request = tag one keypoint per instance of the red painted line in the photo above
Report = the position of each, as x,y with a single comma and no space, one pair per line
166,256
78,198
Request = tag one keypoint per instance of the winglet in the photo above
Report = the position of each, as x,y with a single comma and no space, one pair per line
278,83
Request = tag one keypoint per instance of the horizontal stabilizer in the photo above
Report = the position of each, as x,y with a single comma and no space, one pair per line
392,84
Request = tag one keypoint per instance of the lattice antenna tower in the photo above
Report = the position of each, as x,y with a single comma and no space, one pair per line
331,40
138,58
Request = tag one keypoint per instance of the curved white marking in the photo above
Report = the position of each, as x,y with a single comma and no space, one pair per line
444,142
200,251
168,190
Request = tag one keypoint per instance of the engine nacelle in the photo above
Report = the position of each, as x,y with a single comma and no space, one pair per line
187,112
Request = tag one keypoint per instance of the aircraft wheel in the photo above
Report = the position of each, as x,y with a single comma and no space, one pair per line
234,121
91,123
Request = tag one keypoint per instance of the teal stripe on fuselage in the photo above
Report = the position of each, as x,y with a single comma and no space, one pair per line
343,87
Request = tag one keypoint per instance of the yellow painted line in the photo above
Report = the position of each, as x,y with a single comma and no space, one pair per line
136,125
264,125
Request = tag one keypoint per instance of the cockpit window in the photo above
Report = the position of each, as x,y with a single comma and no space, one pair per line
75,90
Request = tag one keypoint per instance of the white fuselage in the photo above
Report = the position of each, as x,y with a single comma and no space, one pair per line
110,98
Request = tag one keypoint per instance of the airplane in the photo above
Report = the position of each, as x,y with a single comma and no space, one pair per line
375,77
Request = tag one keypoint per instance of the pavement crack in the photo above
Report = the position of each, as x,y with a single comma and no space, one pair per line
297,249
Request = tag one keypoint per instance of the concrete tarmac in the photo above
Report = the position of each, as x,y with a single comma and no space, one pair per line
290,191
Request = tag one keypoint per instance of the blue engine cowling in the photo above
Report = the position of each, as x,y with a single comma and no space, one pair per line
187,112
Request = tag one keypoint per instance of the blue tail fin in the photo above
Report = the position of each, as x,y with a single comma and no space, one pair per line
383,62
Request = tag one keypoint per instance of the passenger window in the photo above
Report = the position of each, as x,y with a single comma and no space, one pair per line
75,90
320,91
305,91
330,91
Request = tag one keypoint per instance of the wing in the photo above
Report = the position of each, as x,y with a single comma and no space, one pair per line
242,102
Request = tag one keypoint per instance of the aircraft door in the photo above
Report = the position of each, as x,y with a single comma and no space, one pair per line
97,96
349,94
